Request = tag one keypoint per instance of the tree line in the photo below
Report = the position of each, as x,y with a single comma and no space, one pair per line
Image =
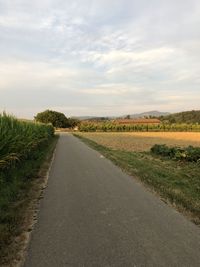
182,117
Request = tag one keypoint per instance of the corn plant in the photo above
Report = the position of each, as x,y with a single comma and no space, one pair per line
19,138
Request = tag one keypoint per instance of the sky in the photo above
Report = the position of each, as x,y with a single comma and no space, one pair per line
99,57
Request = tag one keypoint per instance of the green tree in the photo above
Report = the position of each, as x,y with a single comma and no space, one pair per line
72,122
128,117
57,119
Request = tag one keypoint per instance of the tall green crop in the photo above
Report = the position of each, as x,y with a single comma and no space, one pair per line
18,139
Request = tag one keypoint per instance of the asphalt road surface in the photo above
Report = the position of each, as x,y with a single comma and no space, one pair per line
93,214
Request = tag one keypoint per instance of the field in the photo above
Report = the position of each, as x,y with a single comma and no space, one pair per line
143,141
176,182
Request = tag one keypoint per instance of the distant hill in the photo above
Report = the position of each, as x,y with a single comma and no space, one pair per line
154,114
192,116
82,118
149,114
93,118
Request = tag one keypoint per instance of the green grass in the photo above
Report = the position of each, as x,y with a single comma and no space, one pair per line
176,182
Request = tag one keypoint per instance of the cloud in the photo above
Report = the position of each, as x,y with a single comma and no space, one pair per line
110,90
88,57
33,75
123,57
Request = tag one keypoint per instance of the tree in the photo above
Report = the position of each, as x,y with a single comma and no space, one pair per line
57,119
128,117
73,122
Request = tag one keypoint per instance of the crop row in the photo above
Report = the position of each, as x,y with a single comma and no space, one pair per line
18,139
113,127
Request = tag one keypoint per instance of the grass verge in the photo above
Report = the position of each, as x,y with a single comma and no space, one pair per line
176,183
22,187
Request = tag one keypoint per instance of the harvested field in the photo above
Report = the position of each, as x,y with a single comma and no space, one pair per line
143,141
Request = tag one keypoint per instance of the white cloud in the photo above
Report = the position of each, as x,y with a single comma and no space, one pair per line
33,75
99,56
110,90
123,57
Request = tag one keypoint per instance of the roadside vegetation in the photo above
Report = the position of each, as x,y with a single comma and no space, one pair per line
190,153
176,181
24,147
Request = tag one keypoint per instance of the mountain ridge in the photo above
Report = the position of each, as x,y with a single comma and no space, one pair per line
153,113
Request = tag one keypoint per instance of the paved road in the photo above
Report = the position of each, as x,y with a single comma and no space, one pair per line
93,214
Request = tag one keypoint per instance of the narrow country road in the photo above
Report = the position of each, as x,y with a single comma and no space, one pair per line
93,214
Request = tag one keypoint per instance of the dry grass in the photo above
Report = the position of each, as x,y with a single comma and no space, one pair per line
143,141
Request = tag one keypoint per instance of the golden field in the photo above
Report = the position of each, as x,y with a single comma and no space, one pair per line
143,141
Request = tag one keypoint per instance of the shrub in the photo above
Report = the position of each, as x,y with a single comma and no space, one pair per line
189,153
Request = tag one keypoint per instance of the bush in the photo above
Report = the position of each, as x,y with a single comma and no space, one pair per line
189,153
